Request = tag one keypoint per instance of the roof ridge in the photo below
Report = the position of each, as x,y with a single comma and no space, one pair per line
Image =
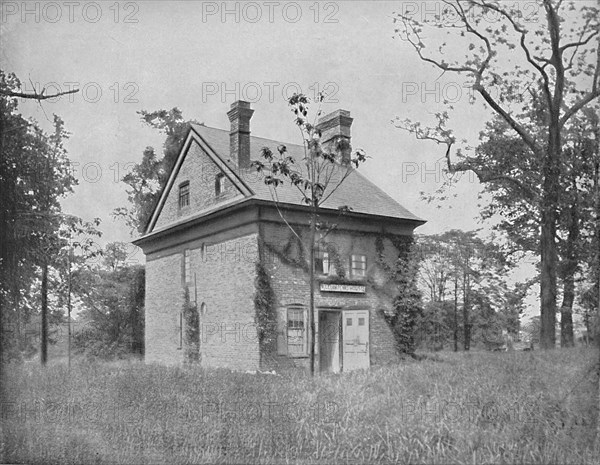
252,136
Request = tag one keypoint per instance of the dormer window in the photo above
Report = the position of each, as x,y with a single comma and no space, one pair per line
219,184
184,194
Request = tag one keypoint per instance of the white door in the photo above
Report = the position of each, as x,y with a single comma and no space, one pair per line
355,324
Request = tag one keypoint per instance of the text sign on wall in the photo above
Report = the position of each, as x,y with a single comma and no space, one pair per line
352,288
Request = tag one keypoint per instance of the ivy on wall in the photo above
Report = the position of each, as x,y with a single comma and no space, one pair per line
191,321
406,304
264,304
292,253
402,318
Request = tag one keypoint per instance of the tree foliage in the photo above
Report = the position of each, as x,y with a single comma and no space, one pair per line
111,323
148,177
468,294
545,73
34,175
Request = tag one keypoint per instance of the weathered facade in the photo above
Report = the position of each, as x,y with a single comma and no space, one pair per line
216,228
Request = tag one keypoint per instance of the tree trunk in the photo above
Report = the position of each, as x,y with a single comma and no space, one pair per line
466,325
550,187
548,279
548,252
566,316
44,329
311,310
568,275
456,314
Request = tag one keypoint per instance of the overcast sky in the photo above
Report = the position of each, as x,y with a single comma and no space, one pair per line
133,56
202,56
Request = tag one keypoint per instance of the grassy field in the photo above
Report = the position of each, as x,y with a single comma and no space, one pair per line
473,408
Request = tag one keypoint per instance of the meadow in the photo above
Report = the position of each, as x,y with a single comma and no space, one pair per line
451,408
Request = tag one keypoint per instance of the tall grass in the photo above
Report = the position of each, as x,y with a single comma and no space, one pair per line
465,408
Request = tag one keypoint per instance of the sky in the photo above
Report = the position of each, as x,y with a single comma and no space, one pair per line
202,56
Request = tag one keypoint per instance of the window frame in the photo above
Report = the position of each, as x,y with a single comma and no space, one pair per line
186,268
355,271
322,262
183,199
180,331
220,184
290,331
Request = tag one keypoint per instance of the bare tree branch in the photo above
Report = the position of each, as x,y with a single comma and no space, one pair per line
35,95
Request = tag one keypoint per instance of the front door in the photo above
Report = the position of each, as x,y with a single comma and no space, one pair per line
329,341
355,324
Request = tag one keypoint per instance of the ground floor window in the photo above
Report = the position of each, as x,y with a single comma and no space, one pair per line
292,335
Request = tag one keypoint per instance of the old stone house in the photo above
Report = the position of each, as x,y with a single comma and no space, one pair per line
216,227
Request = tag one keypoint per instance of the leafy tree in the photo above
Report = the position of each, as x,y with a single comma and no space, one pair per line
34,175
147,178
549,67
459,266
115,255
324,171
112,318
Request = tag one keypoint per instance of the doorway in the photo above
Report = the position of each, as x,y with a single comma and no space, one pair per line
355,337
343,340
330,341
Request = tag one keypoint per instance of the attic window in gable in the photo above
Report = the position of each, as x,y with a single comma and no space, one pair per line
184,194
219,184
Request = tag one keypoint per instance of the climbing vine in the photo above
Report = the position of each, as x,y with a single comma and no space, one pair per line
191,321
407,304
406,309
286,255
264,303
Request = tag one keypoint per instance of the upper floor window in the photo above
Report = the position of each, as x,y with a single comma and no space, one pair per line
322,263
219,184
184,194
358,266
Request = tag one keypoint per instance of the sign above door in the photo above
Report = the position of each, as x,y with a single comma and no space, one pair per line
349,288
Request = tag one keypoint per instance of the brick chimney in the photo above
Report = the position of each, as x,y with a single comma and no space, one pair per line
239,135
334,126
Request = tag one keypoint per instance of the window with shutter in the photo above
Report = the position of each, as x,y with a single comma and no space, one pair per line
292,335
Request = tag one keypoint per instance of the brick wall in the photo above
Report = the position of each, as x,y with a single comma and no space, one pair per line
164,301
291,286
201,171
224,273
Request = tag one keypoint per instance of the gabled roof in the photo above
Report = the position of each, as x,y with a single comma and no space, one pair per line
356,192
